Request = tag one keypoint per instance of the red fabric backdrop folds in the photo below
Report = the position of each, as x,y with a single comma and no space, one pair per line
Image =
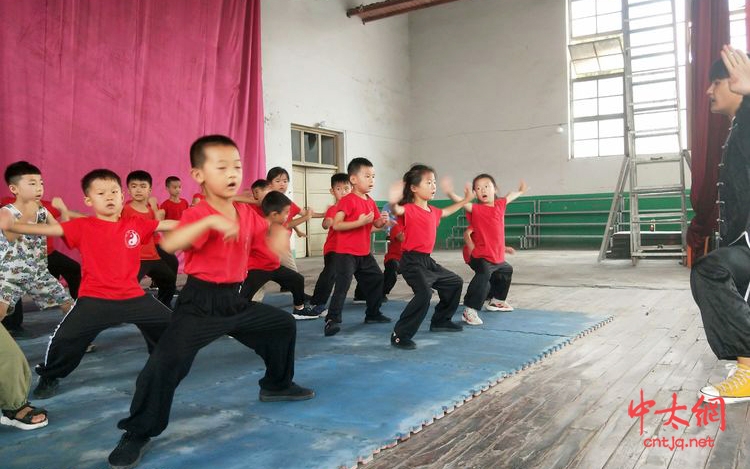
710,31
127,85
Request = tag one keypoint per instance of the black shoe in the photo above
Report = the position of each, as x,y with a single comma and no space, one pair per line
377,318
294,392
446,326
46,388
128,452
331,328
305,313
359,301
406,344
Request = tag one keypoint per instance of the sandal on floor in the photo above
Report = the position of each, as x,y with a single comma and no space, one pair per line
9,418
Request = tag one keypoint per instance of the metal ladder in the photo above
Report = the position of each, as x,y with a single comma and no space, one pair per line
637,110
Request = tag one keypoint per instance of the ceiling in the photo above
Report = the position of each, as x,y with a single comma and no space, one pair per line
388,8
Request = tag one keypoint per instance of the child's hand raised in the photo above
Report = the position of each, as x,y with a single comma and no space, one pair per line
226,226
446,185
468,192
396,192
523,187
738,66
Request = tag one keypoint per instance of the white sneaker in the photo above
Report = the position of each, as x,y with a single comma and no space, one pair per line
471,317
499,305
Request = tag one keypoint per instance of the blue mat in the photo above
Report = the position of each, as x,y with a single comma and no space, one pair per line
369,395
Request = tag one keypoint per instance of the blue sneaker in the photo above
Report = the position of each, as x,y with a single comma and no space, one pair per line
320,310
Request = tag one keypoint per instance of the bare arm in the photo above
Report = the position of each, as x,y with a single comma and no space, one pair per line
511,196
467,239
447,186
159,213
8,223
394,196
327,222
451,209
167,225
306,215
183,237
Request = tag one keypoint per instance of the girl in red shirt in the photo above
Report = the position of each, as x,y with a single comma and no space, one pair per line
485,249
420,271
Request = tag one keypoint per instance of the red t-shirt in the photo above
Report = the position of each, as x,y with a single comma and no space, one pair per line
261,256
173,210
199,196
465,251
148,246
420,228
110,254
52,210
356,241
394,246
210,258
258,209
488,222
294,210
332,234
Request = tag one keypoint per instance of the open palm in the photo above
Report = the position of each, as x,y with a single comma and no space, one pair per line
738,66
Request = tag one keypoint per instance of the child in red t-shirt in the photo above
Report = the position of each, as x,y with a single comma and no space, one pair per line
269,240
390,261
216,237
340,187
278,180
110,249
144,206
356,216
421,272
174,205
484,249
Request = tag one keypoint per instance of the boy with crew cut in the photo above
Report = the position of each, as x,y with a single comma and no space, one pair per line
216,236
340,187
269,242
144,206
356,216
24,258
174,205
109,294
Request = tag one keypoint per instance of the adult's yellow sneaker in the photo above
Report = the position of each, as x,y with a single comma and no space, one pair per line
735,388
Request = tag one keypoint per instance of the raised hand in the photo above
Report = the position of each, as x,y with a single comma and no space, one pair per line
396,192
738,66
446,185
523,187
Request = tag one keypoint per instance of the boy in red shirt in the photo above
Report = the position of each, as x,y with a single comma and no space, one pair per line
109,293
356,215
174,205
264,265
340,187
215,236
143,206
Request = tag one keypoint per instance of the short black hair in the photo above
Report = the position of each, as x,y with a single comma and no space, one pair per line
197,149
718,70
260,184
275,172
274,201
139,175
339,178
15,171
105,174
356,164
170,180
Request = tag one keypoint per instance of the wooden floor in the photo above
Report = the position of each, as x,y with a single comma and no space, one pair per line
571,410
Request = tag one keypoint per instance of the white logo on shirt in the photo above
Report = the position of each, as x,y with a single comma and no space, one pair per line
132,239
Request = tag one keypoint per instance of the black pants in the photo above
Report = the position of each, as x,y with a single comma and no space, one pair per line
203,313
488,278
367,272
390,275
284,276
59,265
423,274
163,276
720,282
88,318
325,282
170,259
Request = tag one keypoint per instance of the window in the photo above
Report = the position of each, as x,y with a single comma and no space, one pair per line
314,147
737,32
656,89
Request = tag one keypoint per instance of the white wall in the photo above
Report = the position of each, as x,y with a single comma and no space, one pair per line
489,88
319,65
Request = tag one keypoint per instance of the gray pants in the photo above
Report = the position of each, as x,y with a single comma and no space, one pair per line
15,374
720,282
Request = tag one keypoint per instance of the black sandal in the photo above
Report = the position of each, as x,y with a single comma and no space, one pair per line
26,422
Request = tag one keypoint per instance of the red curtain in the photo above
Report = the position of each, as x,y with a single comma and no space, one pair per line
128,85
709,32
